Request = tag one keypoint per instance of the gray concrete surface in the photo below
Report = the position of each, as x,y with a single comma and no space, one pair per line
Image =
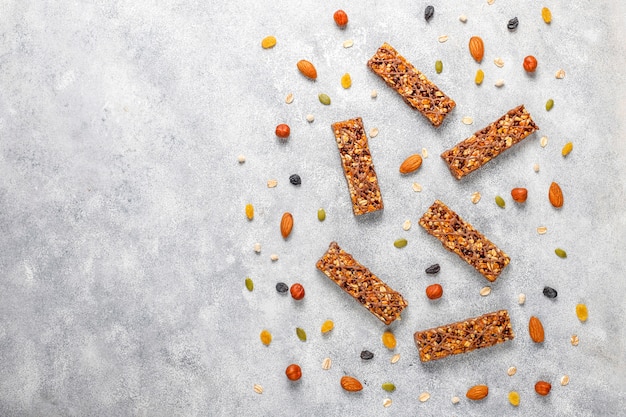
124,242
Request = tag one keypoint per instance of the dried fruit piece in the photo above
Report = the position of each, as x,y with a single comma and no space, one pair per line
514,398
268,42
546,15
389,387
389,340
293,372
429,12
480,76
341,18
512,25
327,326
307,69
366,355
543,388
324,99
549,104
535,329
560,253
321,214
411,164
297,291
581,312
295,179
500,201
549,292
249,284
346,80
286,224
400,243
283,131
477,392
249,211
351,384
433,269
476,48
567,148
438,66
519,194
282,288
530,63
266,337
301,334
434,291
555,195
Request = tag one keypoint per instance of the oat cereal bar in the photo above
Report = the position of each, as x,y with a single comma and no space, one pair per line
355,279
460,237
417,90
358,166
464,336
486,144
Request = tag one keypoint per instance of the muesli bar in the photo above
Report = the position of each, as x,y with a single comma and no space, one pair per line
358,166
486,144
460,237
417,90
464,336
355,279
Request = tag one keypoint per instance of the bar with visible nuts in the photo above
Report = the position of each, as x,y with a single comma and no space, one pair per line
355,279
464,336
486,144
460,237
358,167
417,90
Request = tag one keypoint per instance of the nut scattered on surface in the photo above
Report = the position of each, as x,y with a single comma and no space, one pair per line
499,62
544,141
348,43
542,230
564,380
463,18
395,358
272,183
351,384
467,120
543,388
411,164
475,197
434,291
455,400
373,132
387,402
519,194
574,340
257,247
443,38
289,98
560,74
476,48
310,118
241,159
477,392
417,187
326,364
424,396
406,225
274,257
521,299
535,329
555,195
307,69
374,94
286,224
258,389
511,371
485,291
499,83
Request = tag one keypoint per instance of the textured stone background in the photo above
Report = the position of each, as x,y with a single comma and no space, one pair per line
124,245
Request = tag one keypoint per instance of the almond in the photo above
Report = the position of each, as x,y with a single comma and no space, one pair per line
307,69
543,387
351,384
555,195
412,163
477,48
477,392
535,328
286,224
434,291
519,194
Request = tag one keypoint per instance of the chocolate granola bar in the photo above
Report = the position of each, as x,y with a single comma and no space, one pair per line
486,144
417,90
358,166
464,336
355,279
460,237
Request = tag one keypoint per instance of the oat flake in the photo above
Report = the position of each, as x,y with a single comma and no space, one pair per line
485,291
424,153
424,396
373,132
467,120
258,389
272,183
348,43
443,38
417,187
499,62
511,371
386,402
406,225
564,380
395,358
544,141
289,98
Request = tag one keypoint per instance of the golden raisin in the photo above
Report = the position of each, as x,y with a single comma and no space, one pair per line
346,81
268,42
266,337
581,312
514,398
546,14
327,326
249,211
389,340
480,76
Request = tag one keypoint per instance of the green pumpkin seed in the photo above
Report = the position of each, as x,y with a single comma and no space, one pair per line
500,201
249,284
549,104
400,243
321,215
389,387
324,99
560,253
301,334
438,67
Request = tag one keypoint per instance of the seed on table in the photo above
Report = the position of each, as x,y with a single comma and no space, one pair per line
346,81
310,118
400,243
549,292
560,253
348,43
373,132
512,25
581,312
567,148
249,284
564,380
366,355
424,396
480,76
321,214
521,299
289,98
249,211
500,201
266,337
395,358
433,269
511,371
389,340
326,364
475,197
546,14
327,326
257,247
301,334
549,104
389,387
324,99
295,179
282,288
406,225
438,66
429,12
387,402
514,398
268,42
485,291
574,340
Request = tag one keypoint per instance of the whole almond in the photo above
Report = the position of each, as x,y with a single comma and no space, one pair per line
555,195
543,387
477,392
307,69
434,291
412,163
351,384
535,328
477,48
286,224
519,194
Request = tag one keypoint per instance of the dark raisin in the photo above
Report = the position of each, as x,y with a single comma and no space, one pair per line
282,288
549,292
295,179
433,269
367,355
429,13
512,25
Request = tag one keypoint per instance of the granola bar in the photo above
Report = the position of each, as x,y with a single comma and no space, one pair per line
355,279
486,144
464,336
417,90
358,166
460,237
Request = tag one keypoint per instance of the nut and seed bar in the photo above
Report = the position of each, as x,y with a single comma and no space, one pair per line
460,237
464,336
355,279
358,166
417,90
486,144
